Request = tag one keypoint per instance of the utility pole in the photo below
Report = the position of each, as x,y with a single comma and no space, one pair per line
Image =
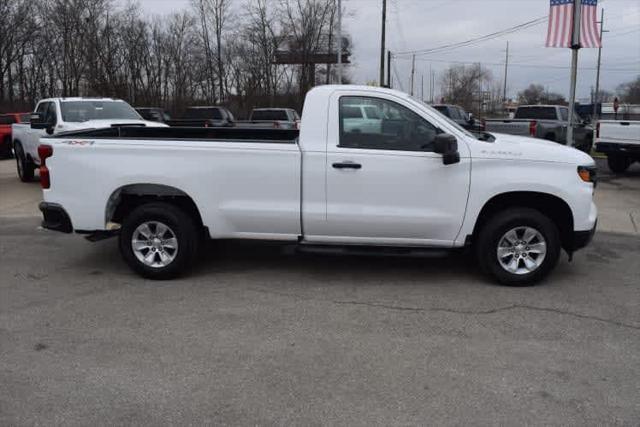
433,87
413,73
382,44
506,71
597,94
575,47
430,84
339,42
389,69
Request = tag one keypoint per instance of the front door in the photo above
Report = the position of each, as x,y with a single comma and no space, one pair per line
385,185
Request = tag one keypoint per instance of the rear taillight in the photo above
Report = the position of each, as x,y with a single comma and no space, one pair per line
533,127
44,152
598,130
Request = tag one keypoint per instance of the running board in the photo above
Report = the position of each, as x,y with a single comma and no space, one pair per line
386,251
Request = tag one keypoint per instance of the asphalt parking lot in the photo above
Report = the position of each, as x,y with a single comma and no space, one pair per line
258,335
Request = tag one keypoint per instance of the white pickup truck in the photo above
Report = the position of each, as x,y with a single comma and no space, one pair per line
55,115
620,141
417,182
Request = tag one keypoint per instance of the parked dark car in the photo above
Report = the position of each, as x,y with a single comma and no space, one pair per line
460,116
206,116
154,114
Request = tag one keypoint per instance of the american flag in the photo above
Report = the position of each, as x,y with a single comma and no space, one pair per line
561,24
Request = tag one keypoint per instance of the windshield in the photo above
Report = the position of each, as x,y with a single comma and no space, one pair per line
83,111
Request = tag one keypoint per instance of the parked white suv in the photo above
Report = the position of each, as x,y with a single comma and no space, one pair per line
417,182
57,115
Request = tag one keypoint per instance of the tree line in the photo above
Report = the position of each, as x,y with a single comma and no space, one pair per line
215,52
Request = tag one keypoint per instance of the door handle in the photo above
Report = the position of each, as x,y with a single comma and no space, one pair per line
347,165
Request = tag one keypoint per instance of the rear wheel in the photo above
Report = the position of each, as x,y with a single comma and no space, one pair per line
159,240
618,164
518,247
24,166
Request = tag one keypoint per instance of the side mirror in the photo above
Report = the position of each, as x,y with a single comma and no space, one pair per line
49,129
37,121
447,145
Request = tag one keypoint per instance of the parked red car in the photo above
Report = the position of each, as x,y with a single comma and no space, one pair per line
6,120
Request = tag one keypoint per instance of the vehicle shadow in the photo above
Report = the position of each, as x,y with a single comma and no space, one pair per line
261,257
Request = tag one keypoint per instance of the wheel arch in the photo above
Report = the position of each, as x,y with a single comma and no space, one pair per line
548,204
128,197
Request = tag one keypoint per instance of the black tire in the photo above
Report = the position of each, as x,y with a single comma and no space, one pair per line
618,164
5,148
492,233
550,137
180,224
24,166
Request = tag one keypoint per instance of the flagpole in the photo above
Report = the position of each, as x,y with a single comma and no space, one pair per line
575,47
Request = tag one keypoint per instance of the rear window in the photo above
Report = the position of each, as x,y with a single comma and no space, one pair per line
83,111
269,115
7,120
203,113
538,113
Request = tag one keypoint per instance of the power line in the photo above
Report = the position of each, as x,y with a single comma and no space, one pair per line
476,40
521,65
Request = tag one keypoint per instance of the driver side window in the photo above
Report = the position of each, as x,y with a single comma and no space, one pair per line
379,124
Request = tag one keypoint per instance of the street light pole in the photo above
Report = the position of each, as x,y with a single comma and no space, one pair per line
506,70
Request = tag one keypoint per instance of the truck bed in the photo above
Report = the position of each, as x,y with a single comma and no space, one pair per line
222,134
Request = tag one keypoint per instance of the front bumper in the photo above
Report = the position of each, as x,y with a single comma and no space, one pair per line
55,217
582,238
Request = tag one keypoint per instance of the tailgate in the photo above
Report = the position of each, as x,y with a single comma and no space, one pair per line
624,132
508,126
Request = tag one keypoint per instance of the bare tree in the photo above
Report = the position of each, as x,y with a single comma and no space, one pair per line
464,85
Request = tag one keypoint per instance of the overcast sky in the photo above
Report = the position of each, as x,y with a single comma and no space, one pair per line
424,24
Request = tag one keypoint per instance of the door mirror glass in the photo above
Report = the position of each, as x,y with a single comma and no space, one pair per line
38,120
447,145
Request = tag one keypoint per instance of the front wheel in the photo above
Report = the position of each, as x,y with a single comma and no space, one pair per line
159,240
618,164
518,247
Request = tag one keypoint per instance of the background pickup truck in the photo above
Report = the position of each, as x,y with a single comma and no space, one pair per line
278,118
56,115
6,120
204,117
544,121
403,186
620,141
460,116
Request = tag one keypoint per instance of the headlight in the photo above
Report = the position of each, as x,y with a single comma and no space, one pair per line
588,174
